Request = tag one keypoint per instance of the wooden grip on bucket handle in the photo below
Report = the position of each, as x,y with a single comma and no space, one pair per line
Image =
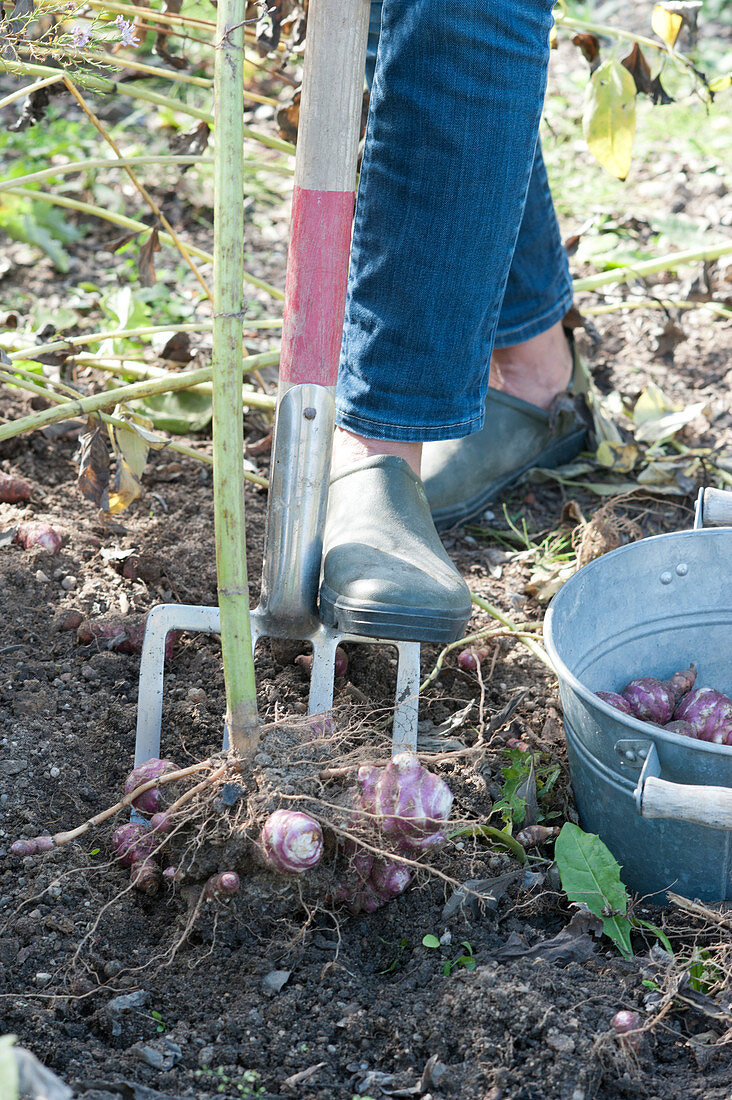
714,508
699,805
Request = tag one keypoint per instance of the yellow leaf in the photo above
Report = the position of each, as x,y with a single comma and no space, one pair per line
720,83
553,38
666,24
608,122
620,457
131,445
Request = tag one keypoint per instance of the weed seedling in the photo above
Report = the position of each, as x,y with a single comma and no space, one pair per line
466,960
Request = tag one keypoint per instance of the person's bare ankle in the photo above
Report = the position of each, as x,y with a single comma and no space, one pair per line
536,370
349,448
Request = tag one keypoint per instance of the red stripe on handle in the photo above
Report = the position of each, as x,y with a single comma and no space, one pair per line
315,289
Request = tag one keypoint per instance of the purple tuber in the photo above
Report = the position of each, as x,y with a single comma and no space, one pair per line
709,712
222,886
292,841
119,635
626,1024
650,699
133,843
13,490
614,700
469,660
146,876
41,535
678,725
161,823
389,878
149,801
340,664
412,802
654,700
32,846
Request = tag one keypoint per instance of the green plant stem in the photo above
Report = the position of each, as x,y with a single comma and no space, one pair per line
529,642
99,162
103,85
605,31
525,630
130,223
498,836
657,303
669,262
228,487
264,359
123,61
147,370
100,401
21,93
124,162
27,383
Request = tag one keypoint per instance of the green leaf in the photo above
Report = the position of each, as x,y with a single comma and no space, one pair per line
608,121
8,1069
430,941
181,412
590,874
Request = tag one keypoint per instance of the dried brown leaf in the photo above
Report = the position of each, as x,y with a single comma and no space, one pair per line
93,459
145,266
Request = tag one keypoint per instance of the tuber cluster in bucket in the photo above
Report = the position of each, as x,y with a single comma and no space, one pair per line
677,706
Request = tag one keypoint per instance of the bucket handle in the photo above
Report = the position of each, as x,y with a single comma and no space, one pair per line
713,508
699,805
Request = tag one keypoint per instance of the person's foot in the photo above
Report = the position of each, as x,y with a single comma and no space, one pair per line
349,448
385,571
535,371
527,424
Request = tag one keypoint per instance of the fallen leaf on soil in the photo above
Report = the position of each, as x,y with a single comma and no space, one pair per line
479,894
575,943
656,417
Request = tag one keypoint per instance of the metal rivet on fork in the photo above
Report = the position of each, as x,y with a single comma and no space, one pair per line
309,413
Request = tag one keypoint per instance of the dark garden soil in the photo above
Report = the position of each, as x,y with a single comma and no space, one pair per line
365,1009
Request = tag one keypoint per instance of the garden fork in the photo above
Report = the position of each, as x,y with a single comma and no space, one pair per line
317,268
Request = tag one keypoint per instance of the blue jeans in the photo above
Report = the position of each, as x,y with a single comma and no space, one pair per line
456,247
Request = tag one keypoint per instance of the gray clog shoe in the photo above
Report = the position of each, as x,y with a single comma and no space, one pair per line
463,476
385,572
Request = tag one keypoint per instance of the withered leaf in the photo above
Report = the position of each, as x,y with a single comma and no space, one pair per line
161,39
178,348
589,46
658,92
191,141
34,109
93,459
288,118
146,267
639,69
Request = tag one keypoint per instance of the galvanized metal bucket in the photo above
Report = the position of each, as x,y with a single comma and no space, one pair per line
661,802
